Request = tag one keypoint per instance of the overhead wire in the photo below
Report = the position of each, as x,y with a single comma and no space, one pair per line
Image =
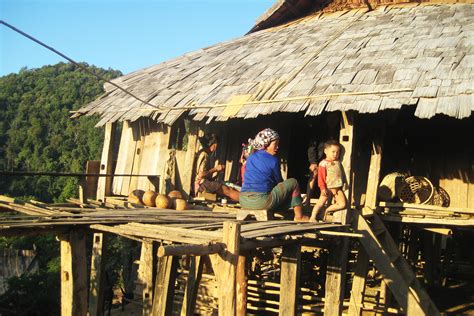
77,64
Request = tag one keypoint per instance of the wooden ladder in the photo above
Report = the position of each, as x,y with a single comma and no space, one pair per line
395,270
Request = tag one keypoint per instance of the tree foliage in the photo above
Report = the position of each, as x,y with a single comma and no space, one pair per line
36,133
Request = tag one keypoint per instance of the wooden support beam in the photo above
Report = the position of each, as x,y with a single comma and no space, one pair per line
92,166
396,272
427,207
97,277
384,299
346,138
73,274
227,268
289,279
192,250
192,285
441,231
242,282
335,276
187,175
104,185
358,283
164,286
138,133
83,191
374,173
336,233
337,262
148,266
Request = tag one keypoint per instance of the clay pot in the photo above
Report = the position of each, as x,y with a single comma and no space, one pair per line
162,201
175,194
180,204
149,198
136,196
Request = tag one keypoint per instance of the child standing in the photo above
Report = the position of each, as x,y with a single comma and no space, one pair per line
331,180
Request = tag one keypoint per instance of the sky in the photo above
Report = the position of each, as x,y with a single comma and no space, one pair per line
124,35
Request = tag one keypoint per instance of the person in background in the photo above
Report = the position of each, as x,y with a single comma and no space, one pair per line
315,153
247,150
204,180
264,187
331,180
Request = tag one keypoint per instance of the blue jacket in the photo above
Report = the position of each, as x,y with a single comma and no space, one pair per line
262,172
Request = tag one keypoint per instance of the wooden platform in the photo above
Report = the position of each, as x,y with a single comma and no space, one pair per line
145,223
426,214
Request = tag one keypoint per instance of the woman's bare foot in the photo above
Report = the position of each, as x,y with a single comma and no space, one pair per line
312,219
303,218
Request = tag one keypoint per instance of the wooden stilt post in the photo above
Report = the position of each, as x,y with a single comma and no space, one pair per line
192,285
97,278
83,191
164,286
228,268
73,274
428,254
358,283
337,262
242,286
149,271
384,298
289,279
96,289
104,185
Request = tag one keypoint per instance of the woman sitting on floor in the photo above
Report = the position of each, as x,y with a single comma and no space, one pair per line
204,180
264,187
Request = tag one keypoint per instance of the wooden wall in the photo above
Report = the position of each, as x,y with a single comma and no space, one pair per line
140,145
441,149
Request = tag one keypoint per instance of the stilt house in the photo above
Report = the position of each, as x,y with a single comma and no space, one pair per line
392,81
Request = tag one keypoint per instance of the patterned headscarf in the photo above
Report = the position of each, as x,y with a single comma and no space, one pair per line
264,138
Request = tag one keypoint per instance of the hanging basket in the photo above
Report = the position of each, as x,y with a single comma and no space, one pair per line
417,190
440,197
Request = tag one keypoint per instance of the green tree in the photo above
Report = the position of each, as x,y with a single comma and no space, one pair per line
36,133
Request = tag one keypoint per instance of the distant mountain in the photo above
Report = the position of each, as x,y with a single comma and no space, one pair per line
36,133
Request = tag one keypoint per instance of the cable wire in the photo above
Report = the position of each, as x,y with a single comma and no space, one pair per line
76,63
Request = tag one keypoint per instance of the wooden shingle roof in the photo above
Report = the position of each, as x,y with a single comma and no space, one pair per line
419,54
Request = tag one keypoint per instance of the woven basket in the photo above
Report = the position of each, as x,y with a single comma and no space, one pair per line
390,186
415,189
440,197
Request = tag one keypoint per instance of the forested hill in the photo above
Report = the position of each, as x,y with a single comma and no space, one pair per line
36,133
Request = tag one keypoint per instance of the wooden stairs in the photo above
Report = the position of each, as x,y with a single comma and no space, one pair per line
396,272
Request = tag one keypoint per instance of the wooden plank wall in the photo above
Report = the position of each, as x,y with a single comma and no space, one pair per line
456,180
153,136
142,148
124,160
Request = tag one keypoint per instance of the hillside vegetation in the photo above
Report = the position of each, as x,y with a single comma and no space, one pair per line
36,133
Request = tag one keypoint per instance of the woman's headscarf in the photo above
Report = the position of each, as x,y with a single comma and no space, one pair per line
264,138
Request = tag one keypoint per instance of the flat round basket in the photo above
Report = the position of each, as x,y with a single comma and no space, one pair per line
415,189
390,186
440,197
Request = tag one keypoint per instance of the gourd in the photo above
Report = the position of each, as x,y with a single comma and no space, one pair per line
136,196
149,198
162,201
